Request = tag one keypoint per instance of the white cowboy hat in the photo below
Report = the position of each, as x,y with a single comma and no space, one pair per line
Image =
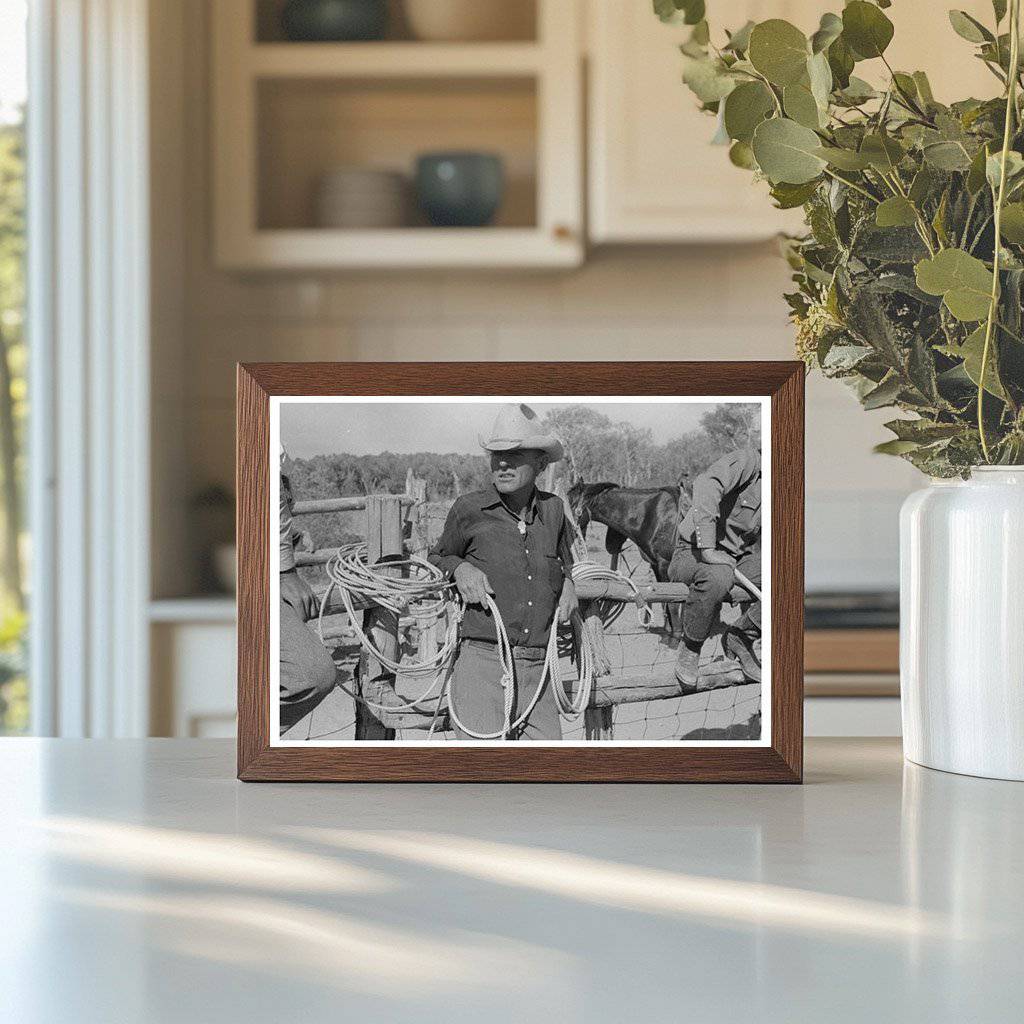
517,428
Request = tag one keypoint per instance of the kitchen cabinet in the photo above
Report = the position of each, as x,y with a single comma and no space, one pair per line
654,177
288,114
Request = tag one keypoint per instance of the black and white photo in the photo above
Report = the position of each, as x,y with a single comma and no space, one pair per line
503,569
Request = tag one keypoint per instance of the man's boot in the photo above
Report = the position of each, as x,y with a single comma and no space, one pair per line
745,648
687,664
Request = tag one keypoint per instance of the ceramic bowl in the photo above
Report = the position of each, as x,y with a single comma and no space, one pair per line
333,21
470,20
359,197
460,189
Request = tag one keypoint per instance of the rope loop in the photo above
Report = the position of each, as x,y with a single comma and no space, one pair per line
425,595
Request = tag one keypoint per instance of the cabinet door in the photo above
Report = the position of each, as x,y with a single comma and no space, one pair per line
654,177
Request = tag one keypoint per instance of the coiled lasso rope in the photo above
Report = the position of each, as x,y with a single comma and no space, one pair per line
350,574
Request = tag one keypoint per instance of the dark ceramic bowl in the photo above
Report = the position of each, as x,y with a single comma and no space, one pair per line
460,189
334,21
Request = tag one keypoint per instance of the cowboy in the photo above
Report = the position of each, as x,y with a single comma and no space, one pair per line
307,672
510,541
718,536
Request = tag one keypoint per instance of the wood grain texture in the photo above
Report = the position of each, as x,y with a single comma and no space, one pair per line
779,762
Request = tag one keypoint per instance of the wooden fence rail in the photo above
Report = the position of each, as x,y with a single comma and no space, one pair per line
301,508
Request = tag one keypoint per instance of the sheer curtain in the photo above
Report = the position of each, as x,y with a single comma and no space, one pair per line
88,300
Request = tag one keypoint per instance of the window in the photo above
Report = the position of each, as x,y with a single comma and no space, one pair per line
14,689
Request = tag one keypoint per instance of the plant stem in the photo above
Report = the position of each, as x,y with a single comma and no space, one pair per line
853,185
1011,107
908,100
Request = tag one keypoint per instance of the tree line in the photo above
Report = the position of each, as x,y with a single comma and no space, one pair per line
597,449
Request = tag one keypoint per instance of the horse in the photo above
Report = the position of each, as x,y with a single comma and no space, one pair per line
648,516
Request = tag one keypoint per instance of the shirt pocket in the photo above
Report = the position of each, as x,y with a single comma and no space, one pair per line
556,574
746,514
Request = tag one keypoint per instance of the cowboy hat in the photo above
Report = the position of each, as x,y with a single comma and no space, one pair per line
517,428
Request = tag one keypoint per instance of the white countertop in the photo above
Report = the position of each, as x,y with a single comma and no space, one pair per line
140,882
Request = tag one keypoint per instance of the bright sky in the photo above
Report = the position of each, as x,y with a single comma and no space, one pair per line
356,428
13,57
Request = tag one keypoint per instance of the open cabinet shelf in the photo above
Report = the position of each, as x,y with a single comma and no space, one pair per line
287,114
393,60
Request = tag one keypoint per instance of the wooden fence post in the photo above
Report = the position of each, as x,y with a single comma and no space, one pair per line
383,538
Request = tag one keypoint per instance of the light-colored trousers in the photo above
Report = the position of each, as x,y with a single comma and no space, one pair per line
307,672
478,695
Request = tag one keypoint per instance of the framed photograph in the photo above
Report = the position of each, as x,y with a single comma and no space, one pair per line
564,572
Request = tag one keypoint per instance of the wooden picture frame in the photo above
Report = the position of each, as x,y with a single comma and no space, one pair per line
780,759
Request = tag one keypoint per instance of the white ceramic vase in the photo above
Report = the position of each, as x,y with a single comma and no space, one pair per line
962,624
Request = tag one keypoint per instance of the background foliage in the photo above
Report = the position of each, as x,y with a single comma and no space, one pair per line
13,412
902,291
597,449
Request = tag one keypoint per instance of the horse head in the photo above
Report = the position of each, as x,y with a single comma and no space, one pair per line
576,497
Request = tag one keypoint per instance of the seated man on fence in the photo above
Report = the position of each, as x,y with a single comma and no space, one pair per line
718,536
307,672
511,541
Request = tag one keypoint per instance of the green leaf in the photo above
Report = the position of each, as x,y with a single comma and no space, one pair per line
947,156
1012,224
741,155
857,91
971,352
819,74
840,61
921,370
939,220
739,41
788,196
779,51
866,29
895,212
844,159
707,78
701,34
690,12
801,106
924,88
665,10
922,185
993,165
843,358
693,10
999,9
923,431
882,151
976,173
895,447
829,30
905,84
786,151
889,245
969,28
885,394
745,108
963,281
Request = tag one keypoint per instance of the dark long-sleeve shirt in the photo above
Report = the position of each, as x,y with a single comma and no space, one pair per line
726,511
525,569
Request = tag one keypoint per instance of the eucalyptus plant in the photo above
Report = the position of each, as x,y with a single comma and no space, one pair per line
910,277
